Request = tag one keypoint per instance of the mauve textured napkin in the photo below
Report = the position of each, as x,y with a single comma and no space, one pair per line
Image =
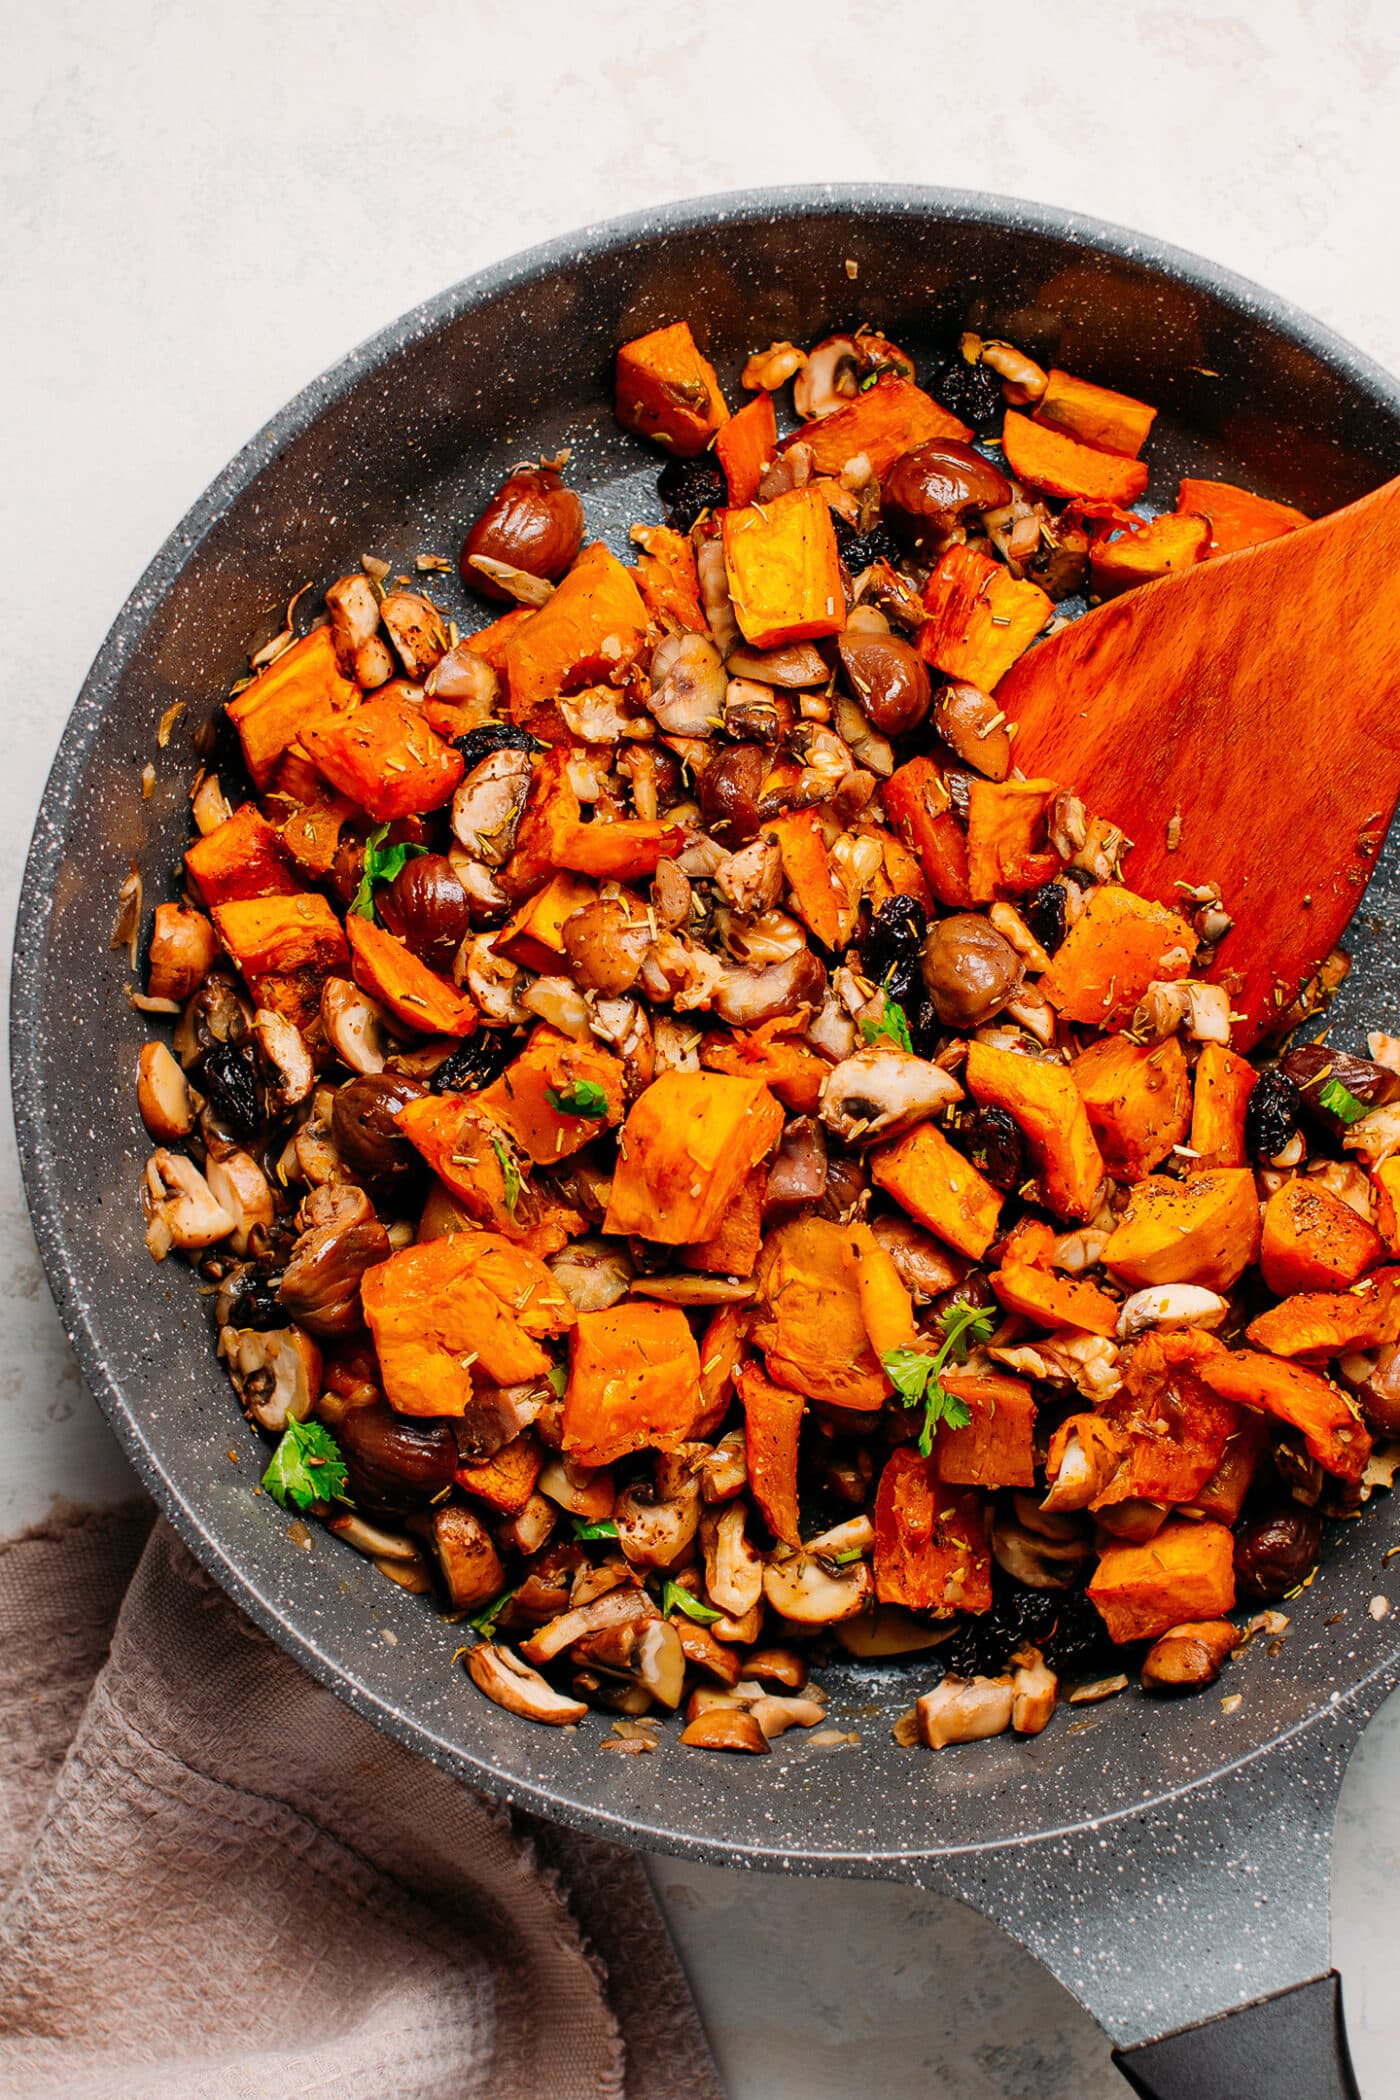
218,1883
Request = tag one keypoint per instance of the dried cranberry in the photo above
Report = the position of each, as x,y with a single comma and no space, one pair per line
1271,1115
474,1063
689,486
972,392
227,1078
1044,912
493,736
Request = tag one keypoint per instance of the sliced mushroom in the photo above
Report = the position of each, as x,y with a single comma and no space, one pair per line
882,1090
1189,1656
655,1531
581,1490
1034,1691
687,685
751,880
593,1274
660,1663
690,1289
416,630
782,1666
703,1652
923,1265
464,679
353,605
829,379
888,1630
356,1026
1170,1306
181,1208
488,805
494,983
965,1710
276,1373
287,1067
832,1031
614,1608
209,805
500,1673
558,1001
340,1240
1037,1548
527,1531
371,1540
724,1471
471,1567
163,1095
733,1569
796,665
775,1714
239,1185
606,943
725,1728
772,937
182,952
810,1592
713,579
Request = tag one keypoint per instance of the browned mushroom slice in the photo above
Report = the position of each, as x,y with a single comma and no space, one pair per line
416,630
965,1710
653,1530
882,1090
593,1274
181,1208
500,1673
888,1630
356,1027
471,1567
276,1373
615,1608
371,1539
725,1728
690,1289
811,1592
163,1095
733,1569
1035,1689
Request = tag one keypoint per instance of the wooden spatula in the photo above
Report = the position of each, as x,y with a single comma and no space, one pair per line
1257,698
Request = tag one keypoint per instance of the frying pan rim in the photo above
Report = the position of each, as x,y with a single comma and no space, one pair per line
63,1263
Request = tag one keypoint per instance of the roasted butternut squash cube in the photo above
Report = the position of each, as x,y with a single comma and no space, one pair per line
1175,1425
282,935
472,1158
1045,1102
552,1064
721,1353
1320,1324
242,857
1003,821
623,850
690,1142
772,1424
666,576
996,1449
507,1481
1119,944
810,1322
1312,1241
1237,518
1138,1100
931,1550
415,995
1061,466
980,618
1223,1496
919,805
734,1249
1055,1301
1303,1399
534,936
300,687
442,1306
883,423
940,1189
668,391
1224,1082
634,1382
784,569
1204,1230
747,445
384,757
591,624
822,901
1096,416
774,1053
1186,1572
886,1305
1165,545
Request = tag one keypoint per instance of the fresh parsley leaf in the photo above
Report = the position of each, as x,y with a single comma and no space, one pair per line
916,1377
558,1378
486,1620
674,1597
892,1026
1340,1101
382,864
510,1173
583,1098
844,1560
306,1467
606,1529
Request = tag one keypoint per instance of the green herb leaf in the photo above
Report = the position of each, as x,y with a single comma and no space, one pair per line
382,864
605,1529
916,1377
510,1173
891,1026
583,1098
306,1467
1340,1101
558,1378
674,1597
486,1620
844,1560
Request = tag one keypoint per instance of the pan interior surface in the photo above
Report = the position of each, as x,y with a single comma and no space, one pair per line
393,454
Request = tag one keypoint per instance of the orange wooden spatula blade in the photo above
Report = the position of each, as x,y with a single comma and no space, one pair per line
1257,697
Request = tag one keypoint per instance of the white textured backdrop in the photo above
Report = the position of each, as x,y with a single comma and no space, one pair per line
205,202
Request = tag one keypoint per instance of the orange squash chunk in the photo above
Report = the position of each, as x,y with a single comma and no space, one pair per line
554,1063
668,391
242,857
980,619
772,1424
931,1550
590,625
1237,518
822,901
303,685
1224,1082
439,1307
1119,944
886,421
690,1142
634,1382
996,1449
899,873
468,1153
507,1481
1175,1425
622,850
1329,1323
1096,415
919,805
1165,545
747,446
810,1323
1060,466
1003,818
1223,1496
733,1250
1304,1399
769,1052
1186,1572
414,994
784,569
721,1353
1055,1301
666,576
281,935
1312,1241
492,640
1385,1180
1204,1230
1044,1101
551,814
1138,1100
534,936
385,757
940,1189
886,1306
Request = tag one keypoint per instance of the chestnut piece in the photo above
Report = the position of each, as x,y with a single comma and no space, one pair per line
729,789
363,1129
427,906
888,677
929,489
967,720
1276,1550
1314,1066
396,1462
533,522
969,970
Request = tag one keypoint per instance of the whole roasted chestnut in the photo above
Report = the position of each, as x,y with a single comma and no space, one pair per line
1277,1550
969,970
365,1134
968,720
929,489
729,789
533,522
395,1461
428,908
888,677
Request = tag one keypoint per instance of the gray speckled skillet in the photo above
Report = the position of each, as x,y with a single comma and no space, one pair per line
1168,1862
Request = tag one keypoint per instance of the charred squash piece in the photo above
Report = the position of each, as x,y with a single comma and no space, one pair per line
507,1481
1175,1425
1044,1100
810,1323
301,686
1223,1496
1319,1324
1055,1301
554,1064
590,625
534,937
552,812
666,575
980,619
1119,944
996,1449
440,1307
1138,1100
1166,544
772,1422
886,421
1095,415
747,446
1060,466
1003,821
823,902
623,850
784,569
886,1306
918,804
384,757
688,1145
1303,1399
774,1053
1186,1572
721,1352
1204,1231
666,390
242,857
734,1249
634,1382
931,1551
414,994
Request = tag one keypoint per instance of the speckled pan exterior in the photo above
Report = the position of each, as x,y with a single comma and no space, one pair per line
1071,1838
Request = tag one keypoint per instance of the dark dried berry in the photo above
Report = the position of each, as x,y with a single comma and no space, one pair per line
903,982
1044,912
1079,1643
897,933
493,736
990,1138
1271,1115
970,391
475,1062
227,1079
688,486
858,549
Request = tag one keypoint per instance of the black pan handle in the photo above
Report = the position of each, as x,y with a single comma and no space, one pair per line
1294,2044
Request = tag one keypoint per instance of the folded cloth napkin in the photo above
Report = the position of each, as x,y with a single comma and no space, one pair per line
217,1881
